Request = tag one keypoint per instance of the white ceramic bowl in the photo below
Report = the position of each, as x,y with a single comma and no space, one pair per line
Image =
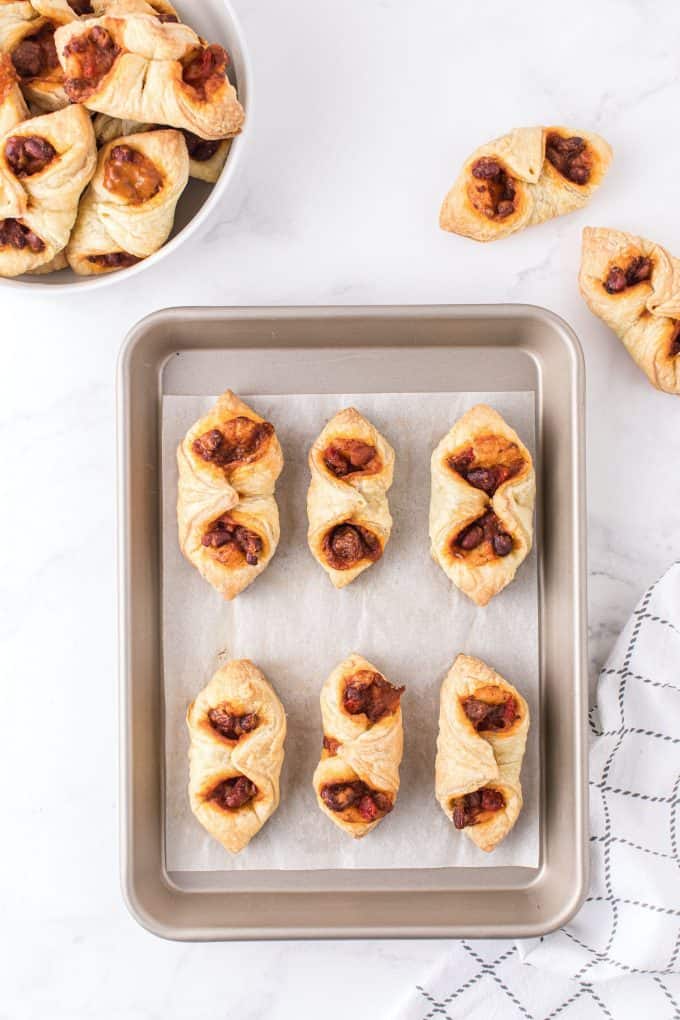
215,21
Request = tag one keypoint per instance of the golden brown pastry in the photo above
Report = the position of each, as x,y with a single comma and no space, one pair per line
129,210
349,519
483,726
139,68
28,38
482,503
634,286
227,515
237,727
523,178
13,107
357,780
45,163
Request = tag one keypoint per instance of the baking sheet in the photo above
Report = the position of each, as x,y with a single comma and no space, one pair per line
402,614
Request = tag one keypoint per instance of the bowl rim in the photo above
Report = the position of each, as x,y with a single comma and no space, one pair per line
94,282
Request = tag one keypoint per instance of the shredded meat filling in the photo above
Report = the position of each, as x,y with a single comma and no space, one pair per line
131,175
93,54
232,726
346,544
15,234
206,70
370,804
618,279
232,794
484,716
239,440
28,154
487,528
485,477
467,809
114,260
570,156
372,694
493,191
200,149
351,456
36,55
232,541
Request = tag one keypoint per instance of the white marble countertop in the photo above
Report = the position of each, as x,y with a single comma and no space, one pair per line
365,111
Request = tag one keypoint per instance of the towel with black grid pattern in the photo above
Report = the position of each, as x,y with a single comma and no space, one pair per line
620,955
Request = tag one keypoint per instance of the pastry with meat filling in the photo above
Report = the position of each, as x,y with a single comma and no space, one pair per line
129,209
349,519
357,779
633,285
483,727
482,503
139,67
45,163
525,177
228,519
28,39
237,728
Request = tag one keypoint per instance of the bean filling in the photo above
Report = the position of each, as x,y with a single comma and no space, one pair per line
206,71
200,149
239,440
232,726
486,529
675,341
36,55
330,744
485,477
618,279
80,7
468,809
93,53
570,156
493,194
15,234
345,545
114,260
370,804
233,542
484,716
351,456
131,175
371,694
232,794
28,155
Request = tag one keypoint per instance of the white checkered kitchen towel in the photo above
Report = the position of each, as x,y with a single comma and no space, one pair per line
620,956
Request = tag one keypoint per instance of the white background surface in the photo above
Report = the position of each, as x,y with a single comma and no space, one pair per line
365,111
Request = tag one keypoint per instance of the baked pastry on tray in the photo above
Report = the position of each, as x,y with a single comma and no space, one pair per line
237,728
482,503
140,68
634,286
28,38
483,727
357,780
128,212
349,519
45,163
525,177
227,515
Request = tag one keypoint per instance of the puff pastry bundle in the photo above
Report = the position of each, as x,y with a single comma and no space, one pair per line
128,211
237,728
525,177
357,780
483,726
482,502
227,516
349,519
138,67
28,39
634,286
45,163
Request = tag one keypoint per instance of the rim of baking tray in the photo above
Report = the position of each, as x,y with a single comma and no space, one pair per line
237,48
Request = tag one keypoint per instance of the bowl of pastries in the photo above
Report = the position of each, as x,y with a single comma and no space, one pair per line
120,128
